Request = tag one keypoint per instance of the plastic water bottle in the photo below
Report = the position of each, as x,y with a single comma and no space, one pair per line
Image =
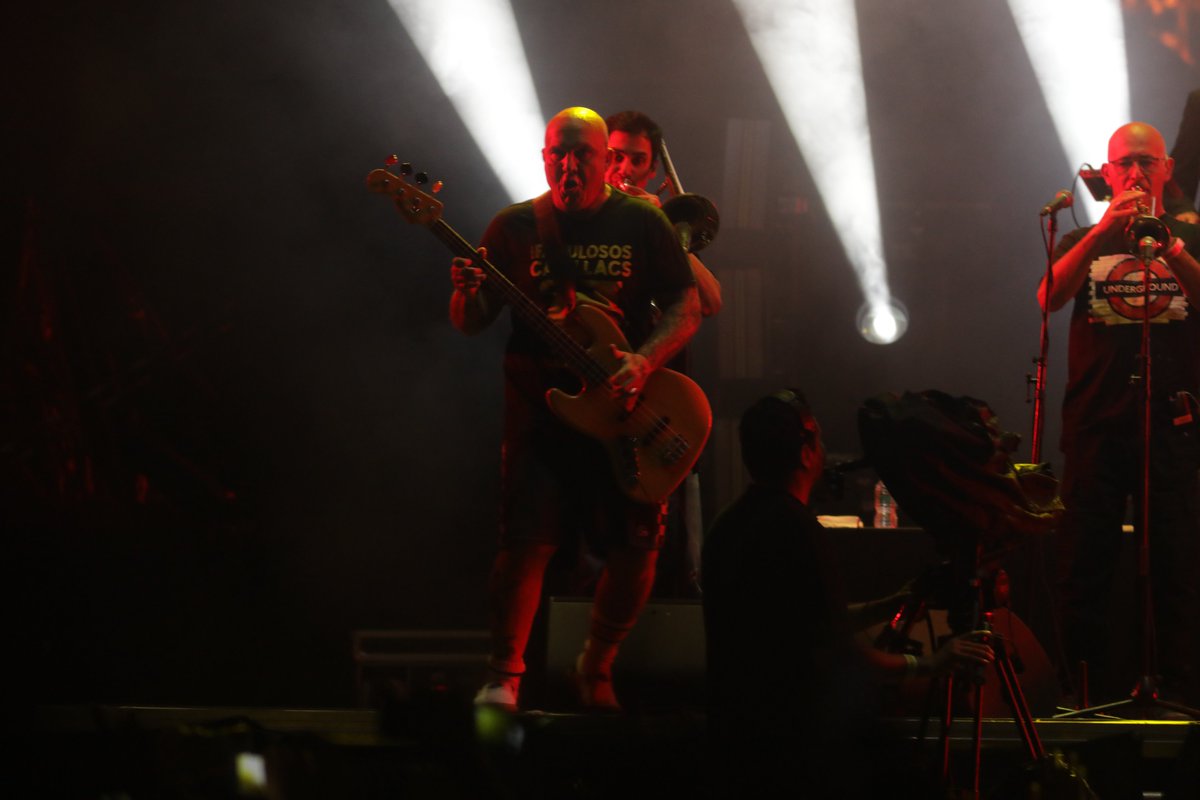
885,507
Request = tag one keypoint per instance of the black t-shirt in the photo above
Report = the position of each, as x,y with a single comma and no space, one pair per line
625,256
774,613
1105,339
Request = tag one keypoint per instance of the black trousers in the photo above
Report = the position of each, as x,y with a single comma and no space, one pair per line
1103,470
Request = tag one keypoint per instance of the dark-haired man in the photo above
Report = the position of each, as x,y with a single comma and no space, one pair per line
788,684
636,144
557,482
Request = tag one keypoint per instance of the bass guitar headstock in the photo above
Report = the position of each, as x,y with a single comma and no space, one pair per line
414,205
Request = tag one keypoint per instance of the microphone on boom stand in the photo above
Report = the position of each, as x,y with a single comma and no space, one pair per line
1146,235
1064,199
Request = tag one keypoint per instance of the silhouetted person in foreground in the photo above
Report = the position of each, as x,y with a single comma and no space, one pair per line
792,693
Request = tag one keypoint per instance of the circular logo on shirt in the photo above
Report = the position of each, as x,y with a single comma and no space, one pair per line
1124,289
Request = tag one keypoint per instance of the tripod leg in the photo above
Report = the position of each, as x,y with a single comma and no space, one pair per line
977,740
947,719
1015,697
927,711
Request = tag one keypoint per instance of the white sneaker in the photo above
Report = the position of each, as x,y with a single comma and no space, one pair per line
499,694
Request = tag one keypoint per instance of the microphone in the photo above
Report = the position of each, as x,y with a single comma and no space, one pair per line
1148,247
1063,199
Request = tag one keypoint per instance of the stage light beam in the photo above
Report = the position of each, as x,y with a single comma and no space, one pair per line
809,50
473,48
1077,49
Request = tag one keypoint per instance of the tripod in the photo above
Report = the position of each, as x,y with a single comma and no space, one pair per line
980,617
971,601
1146,234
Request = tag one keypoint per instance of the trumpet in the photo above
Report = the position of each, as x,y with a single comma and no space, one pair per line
695,217
1146,234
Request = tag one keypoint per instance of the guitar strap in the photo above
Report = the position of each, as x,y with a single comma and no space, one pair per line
561,266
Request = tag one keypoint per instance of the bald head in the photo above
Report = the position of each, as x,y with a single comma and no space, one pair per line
1144,138
580,119
1138,162
576,156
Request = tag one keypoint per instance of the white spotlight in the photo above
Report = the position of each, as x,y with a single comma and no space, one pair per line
809,50
1077,49
882,323
474,50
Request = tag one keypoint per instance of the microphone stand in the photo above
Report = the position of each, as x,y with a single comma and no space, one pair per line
1035,559
1038,379
1145,693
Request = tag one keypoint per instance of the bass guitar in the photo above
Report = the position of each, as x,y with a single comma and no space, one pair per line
653,444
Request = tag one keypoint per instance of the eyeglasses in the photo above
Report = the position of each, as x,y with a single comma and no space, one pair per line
1146,164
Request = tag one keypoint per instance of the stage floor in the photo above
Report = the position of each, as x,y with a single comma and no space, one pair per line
442,750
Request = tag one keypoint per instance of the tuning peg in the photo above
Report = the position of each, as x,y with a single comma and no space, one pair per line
406,168
422,178
437,187
391,160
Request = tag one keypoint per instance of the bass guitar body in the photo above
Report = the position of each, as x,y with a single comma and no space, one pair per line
654,444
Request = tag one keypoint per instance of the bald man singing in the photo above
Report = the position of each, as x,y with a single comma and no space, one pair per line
1102,419
619,255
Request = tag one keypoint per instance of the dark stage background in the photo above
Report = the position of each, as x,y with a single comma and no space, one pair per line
236,423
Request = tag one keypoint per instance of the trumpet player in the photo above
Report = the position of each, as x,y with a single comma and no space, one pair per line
635,141
636,144
1102,437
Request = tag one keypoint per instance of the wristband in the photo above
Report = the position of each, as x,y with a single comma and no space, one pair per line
1174,250
910,665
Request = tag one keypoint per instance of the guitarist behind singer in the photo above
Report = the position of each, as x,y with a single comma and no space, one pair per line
618,254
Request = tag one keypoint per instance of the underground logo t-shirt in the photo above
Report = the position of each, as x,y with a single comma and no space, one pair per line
1106,331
